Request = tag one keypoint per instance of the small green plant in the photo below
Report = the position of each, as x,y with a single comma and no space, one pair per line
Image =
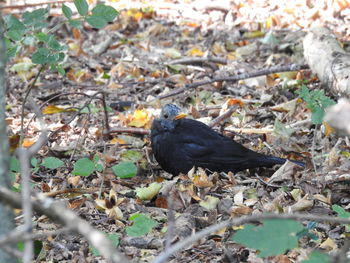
85,166
32,30
142,224
316,101
125,169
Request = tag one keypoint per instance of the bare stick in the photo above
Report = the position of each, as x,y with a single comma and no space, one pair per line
66,217
130,130
263,72
24,102
193,60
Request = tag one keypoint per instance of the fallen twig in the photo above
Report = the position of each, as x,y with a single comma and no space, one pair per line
262,72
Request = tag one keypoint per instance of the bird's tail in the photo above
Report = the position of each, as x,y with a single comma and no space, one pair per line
277,160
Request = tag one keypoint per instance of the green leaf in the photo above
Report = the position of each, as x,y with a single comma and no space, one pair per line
67,11
44,56
341,213
84,167
41,36
82,7
14,23
141,226
35,17
61,70
108,13
125,169
34,162
75,23
14,35
52,163
12,52
96,21
275,236
14,165
316,102
54,44
318,257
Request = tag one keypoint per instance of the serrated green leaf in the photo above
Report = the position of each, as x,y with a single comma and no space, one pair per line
14,23
96,21
15,35
125,169
141,226
82,7
43,56
52,163
54,44
108,13
67,11
84,167
275,236
36,17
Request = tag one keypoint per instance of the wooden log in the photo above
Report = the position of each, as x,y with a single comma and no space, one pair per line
328,60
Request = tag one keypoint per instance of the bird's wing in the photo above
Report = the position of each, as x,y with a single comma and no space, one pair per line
203,145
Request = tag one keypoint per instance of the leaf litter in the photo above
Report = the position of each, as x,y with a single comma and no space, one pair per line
131,60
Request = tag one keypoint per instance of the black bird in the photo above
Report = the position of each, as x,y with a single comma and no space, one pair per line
179,144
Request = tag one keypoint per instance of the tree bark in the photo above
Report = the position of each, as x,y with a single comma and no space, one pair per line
6,223
328,60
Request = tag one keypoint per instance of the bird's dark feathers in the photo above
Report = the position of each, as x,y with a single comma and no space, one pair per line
178,145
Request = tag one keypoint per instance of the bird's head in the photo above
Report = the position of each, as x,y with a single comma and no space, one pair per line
171,112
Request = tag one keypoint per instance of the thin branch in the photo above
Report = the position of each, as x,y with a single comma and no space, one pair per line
262,72
24,102
59,213
130,130
193,60
33,5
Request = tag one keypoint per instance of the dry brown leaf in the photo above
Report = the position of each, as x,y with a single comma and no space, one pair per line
74,180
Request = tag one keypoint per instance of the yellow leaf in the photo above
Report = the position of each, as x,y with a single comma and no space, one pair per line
51,109
328,129
27,143
195,52
117,141
139,119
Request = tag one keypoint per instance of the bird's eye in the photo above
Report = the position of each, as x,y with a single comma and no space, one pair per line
166,116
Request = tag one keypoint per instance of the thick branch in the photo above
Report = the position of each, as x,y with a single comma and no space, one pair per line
66,217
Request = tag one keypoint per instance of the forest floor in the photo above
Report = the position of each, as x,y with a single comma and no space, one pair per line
153,49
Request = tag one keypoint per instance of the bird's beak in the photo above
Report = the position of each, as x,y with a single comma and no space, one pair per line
180,116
